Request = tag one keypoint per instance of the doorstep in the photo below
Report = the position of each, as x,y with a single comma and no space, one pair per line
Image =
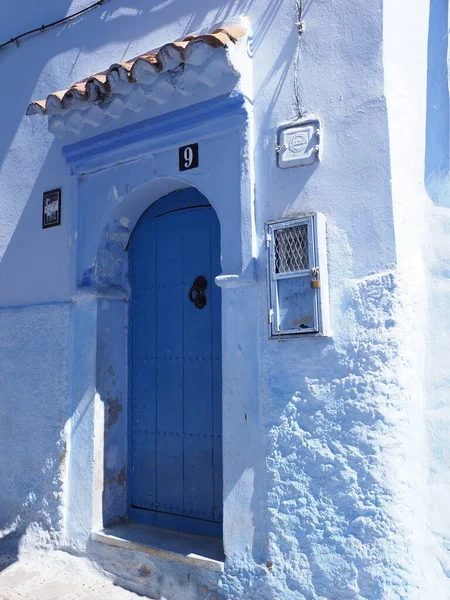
196,550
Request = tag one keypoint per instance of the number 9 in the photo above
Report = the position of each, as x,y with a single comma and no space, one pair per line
188,156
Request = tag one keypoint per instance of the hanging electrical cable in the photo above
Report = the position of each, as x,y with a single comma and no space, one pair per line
15,40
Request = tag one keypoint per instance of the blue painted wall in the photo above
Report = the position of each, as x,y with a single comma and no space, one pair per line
335,450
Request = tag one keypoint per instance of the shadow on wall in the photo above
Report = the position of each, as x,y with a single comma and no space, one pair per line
81,38
286,56
9,550
124,23
437,154
32,418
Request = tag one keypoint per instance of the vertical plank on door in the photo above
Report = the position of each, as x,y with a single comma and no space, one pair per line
143,254
197,380
216,353
169,334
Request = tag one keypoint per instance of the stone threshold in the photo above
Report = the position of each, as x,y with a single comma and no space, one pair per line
200,551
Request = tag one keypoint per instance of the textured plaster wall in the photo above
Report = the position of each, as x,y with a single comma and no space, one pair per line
417,95
344,486
33,411
437,273
336,411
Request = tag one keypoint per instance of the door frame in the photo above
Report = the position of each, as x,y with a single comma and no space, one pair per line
165,205
116,176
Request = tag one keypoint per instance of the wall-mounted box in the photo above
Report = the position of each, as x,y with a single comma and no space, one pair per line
297,276
298,145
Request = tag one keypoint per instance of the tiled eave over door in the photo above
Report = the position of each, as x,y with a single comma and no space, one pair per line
198,67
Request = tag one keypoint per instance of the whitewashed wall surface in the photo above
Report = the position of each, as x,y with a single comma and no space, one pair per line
336,448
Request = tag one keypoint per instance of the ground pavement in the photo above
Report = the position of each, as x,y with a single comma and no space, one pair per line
55,576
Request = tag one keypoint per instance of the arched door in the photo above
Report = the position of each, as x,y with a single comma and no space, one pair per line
175,366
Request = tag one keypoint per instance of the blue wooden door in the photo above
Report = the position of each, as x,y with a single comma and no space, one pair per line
175,366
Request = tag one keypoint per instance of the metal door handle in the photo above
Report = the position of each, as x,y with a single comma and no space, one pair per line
198,287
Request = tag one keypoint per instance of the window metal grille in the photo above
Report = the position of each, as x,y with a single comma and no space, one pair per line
296,280
291,249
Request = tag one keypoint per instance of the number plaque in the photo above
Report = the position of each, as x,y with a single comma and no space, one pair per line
188,157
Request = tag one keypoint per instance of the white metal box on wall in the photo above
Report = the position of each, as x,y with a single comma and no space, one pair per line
297,276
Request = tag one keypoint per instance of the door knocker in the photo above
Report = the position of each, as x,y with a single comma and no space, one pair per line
198,287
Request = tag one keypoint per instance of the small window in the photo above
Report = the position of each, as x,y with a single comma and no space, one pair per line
297,276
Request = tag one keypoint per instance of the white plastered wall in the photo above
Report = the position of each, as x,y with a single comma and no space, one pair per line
340,432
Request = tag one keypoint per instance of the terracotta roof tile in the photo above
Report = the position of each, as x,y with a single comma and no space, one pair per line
97,87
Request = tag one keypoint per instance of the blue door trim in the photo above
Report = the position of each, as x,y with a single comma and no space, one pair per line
176,201
172,129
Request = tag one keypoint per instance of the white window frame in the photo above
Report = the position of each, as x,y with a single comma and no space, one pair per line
317,269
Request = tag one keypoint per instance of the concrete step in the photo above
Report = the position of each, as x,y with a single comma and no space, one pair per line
159,563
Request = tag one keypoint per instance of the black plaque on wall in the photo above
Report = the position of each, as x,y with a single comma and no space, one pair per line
51,209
